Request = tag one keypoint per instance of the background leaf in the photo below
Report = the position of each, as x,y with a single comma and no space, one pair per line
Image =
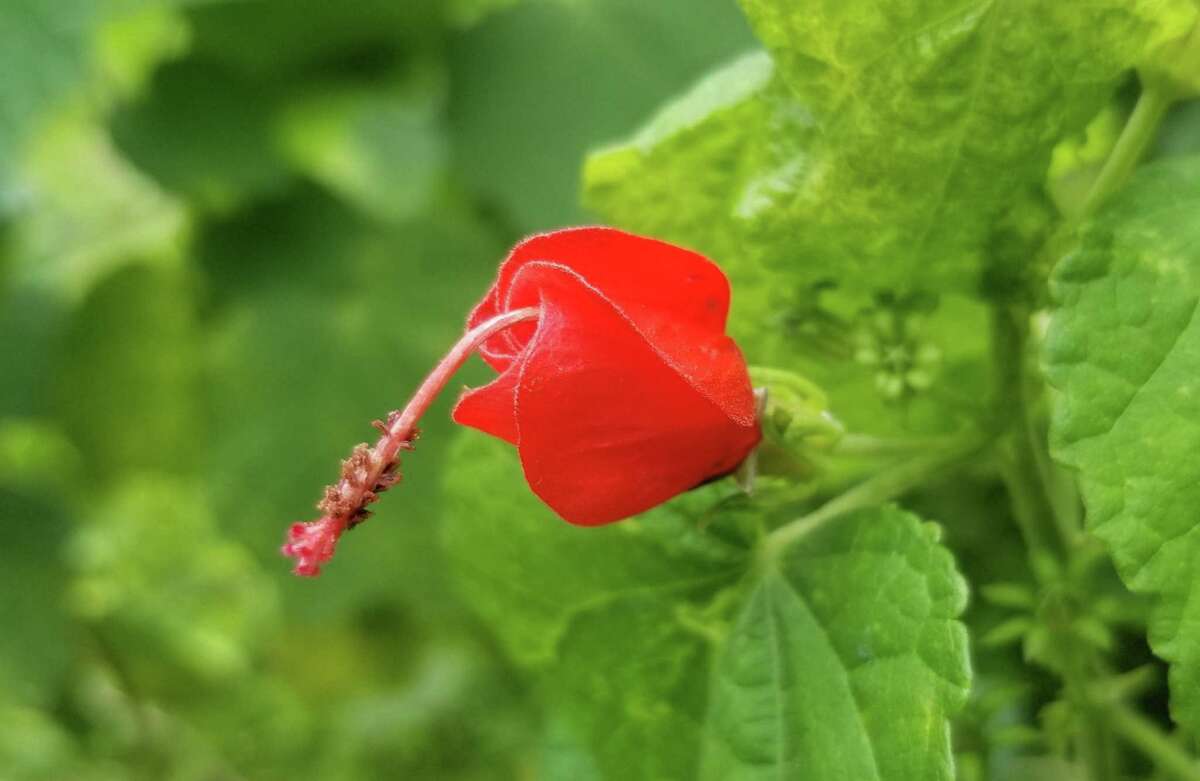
932,121
126,387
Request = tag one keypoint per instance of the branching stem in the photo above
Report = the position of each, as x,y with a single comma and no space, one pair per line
1144,735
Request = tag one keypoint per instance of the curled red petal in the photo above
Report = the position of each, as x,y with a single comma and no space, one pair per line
656,285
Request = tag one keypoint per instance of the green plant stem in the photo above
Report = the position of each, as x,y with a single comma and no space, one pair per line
1045,530
1092,739
1139,132
873,491
866,446
1136,136
1144,735
1033,509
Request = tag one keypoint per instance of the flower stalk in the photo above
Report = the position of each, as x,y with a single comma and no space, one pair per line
371,470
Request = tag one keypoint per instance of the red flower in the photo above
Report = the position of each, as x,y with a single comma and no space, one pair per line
626,391
617,384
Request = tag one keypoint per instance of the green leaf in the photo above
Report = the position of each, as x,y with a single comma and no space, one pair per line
1179,134
286,39
35,651
853,649
682,175
511,549
33,746
562,755
612,619
140,36
204,131
125,389
90,212
685,174
934,116
846,663
30,327
33,453
1124,349
466,13
881,157
165,592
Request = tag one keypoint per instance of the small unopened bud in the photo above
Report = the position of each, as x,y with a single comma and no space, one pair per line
796,413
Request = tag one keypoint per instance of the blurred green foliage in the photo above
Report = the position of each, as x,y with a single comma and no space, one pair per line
231,233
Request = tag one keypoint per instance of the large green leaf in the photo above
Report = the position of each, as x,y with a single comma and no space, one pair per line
845,662
934,116
1124,349
682,175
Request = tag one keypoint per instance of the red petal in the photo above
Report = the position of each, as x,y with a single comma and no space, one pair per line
493,408
653,283
608,425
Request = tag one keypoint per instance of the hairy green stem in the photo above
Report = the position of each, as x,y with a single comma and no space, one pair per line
1033,509
867,446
